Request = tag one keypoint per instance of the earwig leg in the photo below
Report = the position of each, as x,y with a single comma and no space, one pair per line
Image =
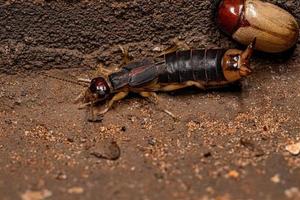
181,44
79,97
196,84
92,117
173,87
176,45
126,58
154,99
125,53
101,70
115,98
84,105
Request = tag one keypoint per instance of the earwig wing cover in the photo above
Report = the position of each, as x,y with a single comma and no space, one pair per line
119,79
137,64
142,75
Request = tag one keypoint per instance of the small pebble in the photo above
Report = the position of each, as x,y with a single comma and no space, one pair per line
159,176
123,128
61,176
292,193
18,102
69,139
76,190
207,154
36,195
233,174
294,149
106,149
8,121
276,178
157,49
210,190
83,140
23,93
152,141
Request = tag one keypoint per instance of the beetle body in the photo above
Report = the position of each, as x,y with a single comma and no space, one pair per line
275,29
180,69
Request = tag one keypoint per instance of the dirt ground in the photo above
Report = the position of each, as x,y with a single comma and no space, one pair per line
227,144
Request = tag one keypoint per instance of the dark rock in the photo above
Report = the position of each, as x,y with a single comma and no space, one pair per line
207,154
123,128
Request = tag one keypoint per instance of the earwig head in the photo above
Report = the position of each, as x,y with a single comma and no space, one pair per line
236,63
98,90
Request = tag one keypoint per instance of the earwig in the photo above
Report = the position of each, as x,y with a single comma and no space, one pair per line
204,68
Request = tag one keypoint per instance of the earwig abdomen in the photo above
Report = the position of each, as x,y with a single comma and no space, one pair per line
192,65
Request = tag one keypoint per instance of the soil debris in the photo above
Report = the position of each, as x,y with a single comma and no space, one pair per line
106,149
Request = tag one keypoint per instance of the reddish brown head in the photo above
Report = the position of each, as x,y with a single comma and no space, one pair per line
98,90
228,15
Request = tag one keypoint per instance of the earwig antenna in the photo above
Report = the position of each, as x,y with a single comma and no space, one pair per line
65,80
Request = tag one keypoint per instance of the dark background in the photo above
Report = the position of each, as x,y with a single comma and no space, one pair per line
66,34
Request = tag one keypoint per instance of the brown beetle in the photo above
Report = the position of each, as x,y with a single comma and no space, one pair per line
276,30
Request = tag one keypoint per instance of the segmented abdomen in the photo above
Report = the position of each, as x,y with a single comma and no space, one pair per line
193,65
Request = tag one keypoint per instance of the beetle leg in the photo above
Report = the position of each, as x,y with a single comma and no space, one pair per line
154,99
115,98
176,45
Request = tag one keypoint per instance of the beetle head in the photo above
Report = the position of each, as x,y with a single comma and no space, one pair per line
98,90
236,63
